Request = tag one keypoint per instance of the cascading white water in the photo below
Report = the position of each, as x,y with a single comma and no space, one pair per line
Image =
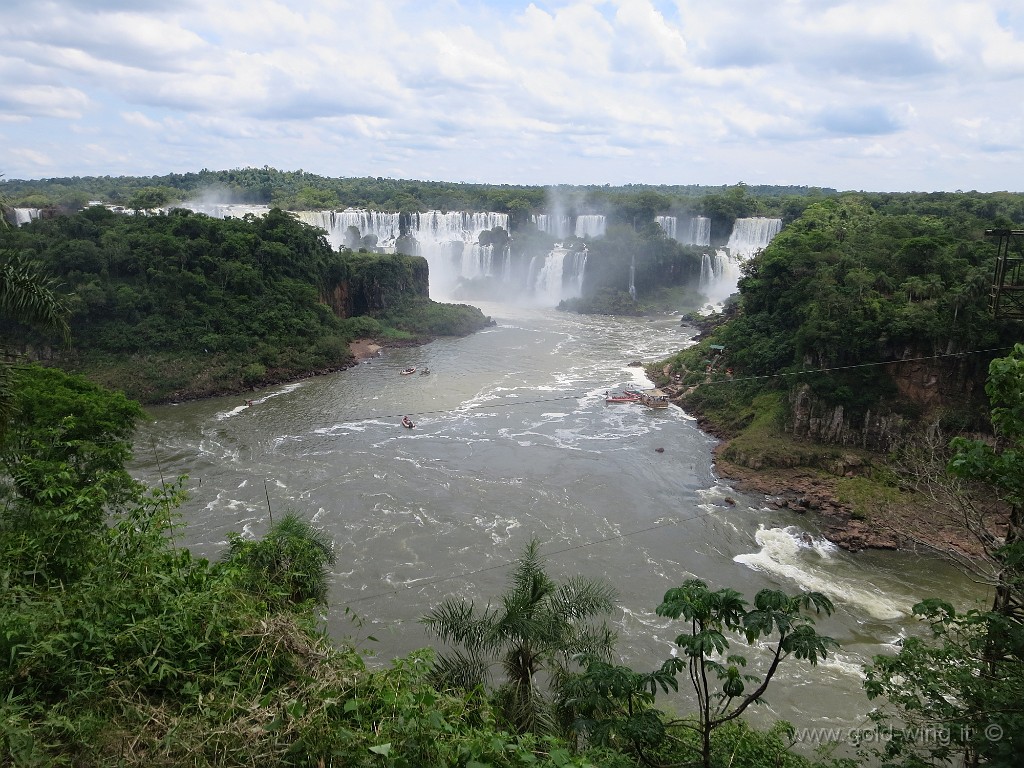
557,276
225,211
700,231
555,225
381,224
590,225
632,277
25,215
751,235
450,242
720,273
697,229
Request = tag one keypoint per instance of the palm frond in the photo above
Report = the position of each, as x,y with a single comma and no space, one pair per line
460,671
580,598
27,295
457,621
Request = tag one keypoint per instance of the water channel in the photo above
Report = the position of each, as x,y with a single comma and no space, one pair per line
513,439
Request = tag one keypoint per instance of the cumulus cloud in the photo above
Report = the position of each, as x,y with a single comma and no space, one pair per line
550,91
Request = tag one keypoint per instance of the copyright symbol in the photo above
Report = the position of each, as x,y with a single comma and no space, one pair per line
993,732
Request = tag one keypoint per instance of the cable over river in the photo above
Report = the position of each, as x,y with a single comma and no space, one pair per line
513,439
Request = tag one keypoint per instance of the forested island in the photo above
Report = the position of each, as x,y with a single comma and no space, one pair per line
860,359
185,305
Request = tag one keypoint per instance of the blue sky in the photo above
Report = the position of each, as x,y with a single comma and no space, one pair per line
880,95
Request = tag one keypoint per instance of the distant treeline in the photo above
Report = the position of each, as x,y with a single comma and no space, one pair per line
299,190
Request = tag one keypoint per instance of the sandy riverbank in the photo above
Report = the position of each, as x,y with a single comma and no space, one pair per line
364,349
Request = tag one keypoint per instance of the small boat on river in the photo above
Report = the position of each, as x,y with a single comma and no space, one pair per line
622,397
407,422
409,371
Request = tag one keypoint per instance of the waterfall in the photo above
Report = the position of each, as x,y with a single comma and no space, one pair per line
554,225
751,235
225,211
556,276
720,273
385,226
700,231
590,225
450,242
632,277
25,215
697,229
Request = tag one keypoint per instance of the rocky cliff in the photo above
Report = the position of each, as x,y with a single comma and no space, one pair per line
927,391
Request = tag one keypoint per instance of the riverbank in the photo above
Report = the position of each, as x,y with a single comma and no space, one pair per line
850,509
911,525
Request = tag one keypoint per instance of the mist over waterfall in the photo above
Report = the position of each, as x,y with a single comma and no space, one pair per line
586,225
719,275
751,235
460,266
449,241
632,277
556,276
695,231
590,225
720,271
555,225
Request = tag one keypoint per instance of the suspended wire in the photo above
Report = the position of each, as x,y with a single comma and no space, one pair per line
617,537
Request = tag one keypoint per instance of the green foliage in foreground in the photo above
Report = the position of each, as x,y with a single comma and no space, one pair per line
119,648
26,296
535,634
617,704
124,649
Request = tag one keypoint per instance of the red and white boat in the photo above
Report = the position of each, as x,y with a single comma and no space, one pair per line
622,397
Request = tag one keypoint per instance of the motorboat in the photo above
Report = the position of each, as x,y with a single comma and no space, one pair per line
409,371
407,422
622,397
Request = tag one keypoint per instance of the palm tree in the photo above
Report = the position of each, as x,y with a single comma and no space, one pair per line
26,296
535,634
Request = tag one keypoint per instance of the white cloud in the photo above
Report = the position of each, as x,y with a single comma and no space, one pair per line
873,94
139,119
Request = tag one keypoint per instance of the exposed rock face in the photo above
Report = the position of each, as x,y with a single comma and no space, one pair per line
926,389
812,419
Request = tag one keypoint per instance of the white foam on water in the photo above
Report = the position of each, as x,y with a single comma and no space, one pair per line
787,553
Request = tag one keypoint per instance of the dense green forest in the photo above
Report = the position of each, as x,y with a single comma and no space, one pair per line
183,304
854,283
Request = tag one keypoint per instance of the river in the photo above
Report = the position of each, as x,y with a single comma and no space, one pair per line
513,439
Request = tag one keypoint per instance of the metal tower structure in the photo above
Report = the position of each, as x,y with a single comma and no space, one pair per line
1007,296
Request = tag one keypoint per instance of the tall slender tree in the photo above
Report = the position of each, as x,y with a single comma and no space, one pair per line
535,635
